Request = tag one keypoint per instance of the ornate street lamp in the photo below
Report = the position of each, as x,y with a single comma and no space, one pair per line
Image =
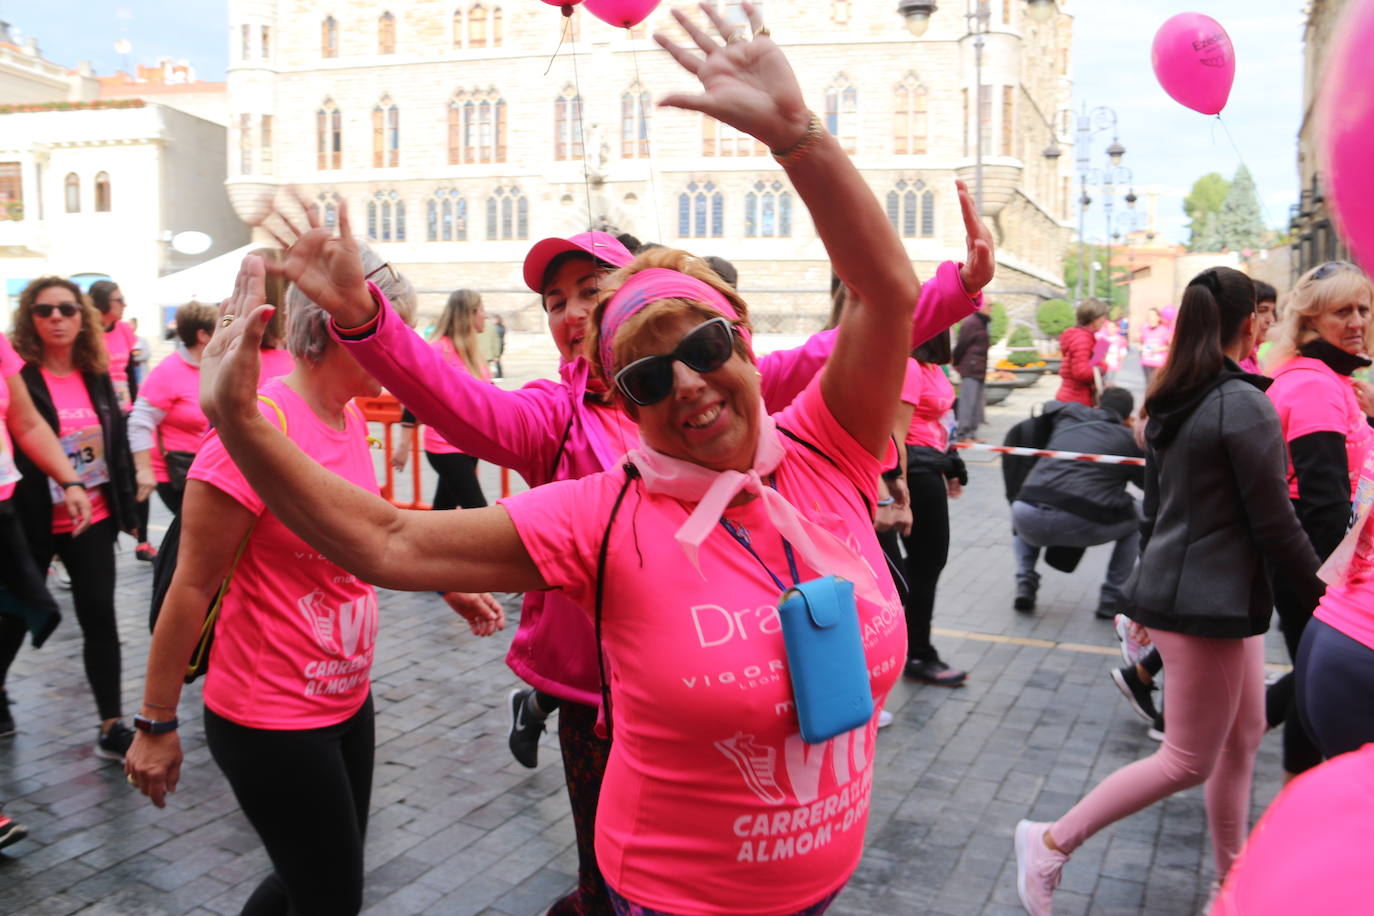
917,14
1042,10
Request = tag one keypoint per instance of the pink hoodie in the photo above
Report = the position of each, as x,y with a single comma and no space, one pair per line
547,431
1154,344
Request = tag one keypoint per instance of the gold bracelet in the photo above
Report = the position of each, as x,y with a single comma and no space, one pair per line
814,131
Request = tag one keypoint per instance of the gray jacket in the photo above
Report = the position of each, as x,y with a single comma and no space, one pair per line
1089,489
1216,508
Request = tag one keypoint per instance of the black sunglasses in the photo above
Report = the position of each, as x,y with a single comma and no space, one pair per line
705,348
67,309
1329,269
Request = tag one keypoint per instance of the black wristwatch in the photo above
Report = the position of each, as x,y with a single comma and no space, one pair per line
72,483
154,727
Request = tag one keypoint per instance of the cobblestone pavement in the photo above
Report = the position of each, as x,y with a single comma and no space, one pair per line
458,827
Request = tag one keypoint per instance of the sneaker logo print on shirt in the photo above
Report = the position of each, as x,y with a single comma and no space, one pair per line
343,631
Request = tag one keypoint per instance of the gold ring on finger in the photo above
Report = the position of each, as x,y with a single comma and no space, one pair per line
733,37
227,320
132,781
761,31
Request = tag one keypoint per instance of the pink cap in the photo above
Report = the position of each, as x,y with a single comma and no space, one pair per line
601,245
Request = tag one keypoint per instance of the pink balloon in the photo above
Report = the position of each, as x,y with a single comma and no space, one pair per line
565,5
622,13
1345,127
1195,62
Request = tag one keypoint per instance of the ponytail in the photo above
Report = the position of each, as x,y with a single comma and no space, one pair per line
1215,305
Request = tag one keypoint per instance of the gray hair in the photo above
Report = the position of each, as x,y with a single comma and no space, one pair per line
307,325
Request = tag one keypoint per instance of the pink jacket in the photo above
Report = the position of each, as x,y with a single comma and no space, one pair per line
545,431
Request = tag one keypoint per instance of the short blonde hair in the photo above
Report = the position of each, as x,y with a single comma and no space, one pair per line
1309,298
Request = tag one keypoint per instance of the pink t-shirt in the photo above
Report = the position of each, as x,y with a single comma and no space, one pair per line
120,340
276,362
444,347
10,364
1311,397
712,802
293,646
931,395
82,440
1154,345
174,388
1350,607
622,433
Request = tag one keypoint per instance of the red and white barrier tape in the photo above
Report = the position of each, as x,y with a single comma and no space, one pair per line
1050,453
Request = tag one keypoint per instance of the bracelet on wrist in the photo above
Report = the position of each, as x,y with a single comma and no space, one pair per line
814,131
154,726
67,485
886,501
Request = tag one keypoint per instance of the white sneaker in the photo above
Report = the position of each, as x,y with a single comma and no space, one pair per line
884,718
1133,648
1038,868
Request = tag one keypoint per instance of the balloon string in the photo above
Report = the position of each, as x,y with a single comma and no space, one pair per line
562,34
644,117
582,139
1268,219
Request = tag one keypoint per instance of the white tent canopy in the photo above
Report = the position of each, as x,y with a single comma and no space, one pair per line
207,282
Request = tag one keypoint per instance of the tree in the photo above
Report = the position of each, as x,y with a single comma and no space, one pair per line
1207,196
997,321
1113,290
1054,317
1239,222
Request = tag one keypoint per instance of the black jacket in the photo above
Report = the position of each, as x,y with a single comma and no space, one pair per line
1091,490
971,349
32,499
1216,509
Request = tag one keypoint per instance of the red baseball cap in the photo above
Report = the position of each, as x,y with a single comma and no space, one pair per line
600,245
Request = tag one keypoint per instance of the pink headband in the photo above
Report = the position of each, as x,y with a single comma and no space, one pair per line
649,286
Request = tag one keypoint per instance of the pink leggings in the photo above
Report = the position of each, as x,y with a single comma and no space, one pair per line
1214,707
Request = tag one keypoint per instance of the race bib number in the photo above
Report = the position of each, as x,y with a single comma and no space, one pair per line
1336,570
9,471
85,449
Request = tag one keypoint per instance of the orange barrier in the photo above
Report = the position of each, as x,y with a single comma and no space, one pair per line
387,411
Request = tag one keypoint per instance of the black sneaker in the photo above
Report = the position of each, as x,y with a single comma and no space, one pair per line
1105,611
11,832
1025,597
525,728
1156,729
934,672
6,720
1136,692
114,744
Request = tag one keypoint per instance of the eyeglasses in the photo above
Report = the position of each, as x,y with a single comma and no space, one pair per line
391,272
1330,268
705,348
67,310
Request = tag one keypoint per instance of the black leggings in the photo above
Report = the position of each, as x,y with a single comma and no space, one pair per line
927,551
1335,681
90,561
1281,703
26,584
458,484
141,511
306,793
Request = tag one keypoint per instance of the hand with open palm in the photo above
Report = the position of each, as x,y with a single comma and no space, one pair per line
326,266
747,84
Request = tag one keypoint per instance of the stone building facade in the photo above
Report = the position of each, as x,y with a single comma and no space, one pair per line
457,136
1314,238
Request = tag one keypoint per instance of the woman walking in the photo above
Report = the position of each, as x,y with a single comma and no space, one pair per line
687,757
1154,345
1083,356
59,337
167,425
1216,515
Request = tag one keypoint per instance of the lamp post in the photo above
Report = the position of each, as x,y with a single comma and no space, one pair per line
1090,123
978,16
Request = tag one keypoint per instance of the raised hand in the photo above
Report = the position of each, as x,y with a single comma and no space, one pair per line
746,83
230,364
978,270
325,266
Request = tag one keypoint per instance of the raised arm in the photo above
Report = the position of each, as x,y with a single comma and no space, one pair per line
749,85
475,550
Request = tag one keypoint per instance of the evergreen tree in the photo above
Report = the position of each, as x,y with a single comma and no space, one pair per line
1239,223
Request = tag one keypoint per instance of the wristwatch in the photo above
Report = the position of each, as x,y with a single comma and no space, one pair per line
72,483
154,727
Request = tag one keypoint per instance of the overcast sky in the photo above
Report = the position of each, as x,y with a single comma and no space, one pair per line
1167,145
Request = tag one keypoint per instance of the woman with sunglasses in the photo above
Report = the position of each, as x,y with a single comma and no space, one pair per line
58,335
565,430
706,752
1216,521
1326,334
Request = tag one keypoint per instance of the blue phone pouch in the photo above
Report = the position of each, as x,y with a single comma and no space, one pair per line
825,657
